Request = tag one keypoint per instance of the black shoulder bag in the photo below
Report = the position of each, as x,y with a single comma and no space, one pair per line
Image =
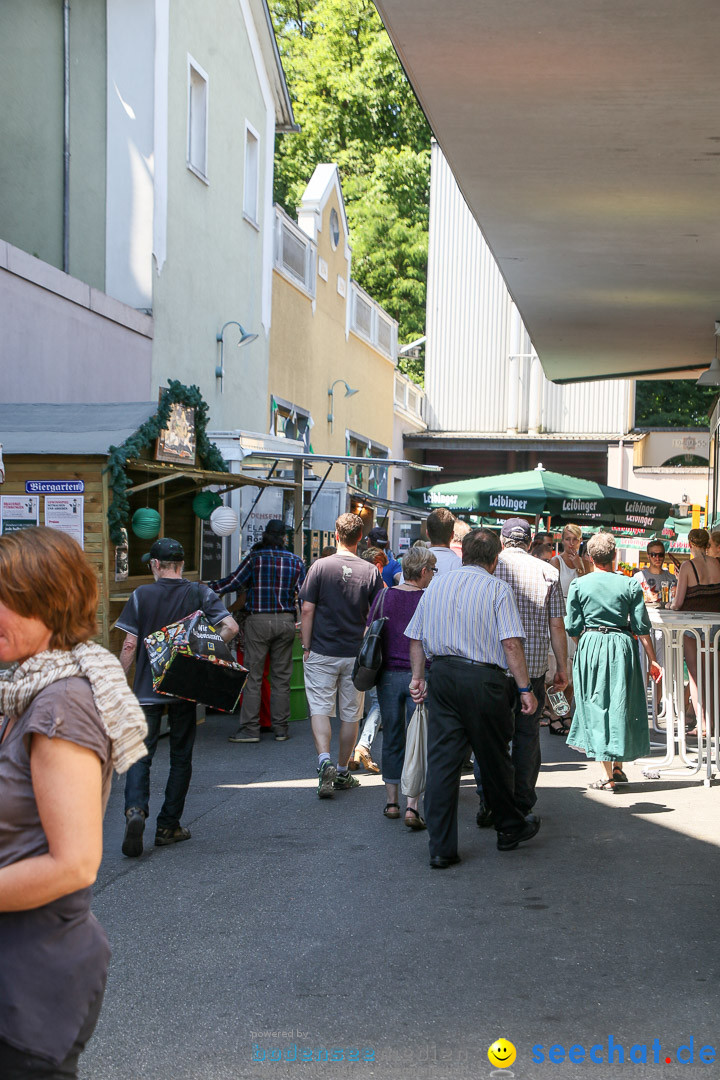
369,659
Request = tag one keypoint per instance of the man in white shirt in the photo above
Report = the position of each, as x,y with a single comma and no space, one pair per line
440,525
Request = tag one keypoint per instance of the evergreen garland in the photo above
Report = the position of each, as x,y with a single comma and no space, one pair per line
118,456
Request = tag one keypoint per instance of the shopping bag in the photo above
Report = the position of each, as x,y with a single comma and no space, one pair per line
415,766
190,660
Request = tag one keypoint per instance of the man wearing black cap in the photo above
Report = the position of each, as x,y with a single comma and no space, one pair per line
392,571
270,577
150,608
536,587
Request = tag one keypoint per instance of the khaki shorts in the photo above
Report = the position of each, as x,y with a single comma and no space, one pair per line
329,687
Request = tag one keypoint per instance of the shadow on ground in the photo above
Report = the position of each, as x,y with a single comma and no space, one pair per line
288,922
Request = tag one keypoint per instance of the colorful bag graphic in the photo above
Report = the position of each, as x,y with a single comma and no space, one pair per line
190,660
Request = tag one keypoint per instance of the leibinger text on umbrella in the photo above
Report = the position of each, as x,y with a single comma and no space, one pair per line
639,508
580,506
506,502
434,497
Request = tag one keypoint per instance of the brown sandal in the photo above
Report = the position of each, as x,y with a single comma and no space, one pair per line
414,822
392,810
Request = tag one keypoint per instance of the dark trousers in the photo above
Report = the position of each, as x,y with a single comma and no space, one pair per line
396,709
18,1065
525,750
468,703
181,715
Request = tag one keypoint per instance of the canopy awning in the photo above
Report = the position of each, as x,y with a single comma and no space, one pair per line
417,513
584,139
527,494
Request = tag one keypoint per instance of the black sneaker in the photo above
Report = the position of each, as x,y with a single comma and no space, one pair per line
508,841
344,781
484,817
132,844
163,837
327,775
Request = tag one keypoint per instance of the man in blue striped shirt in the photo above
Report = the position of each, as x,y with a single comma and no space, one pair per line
270,576
468,623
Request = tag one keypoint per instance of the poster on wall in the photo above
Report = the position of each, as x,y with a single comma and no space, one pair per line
18,512
121,557
66,513
269,506
176,443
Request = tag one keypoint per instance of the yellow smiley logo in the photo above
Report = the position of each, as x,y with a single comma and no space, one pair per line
501,1054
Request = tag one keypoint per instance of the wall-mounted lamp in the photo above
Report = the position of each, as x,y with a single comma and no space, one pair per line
711,377
245,339
331,402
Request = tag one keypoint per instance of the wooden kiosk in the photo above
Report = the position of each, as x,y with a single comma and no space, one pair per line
88,468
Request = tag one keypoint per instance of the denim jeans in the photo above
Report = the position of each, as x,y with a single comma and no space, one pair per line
181,715
372,720
396,709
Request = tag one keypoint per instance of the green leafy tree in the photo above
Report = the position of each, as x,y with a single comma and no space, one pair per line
673,403
356,108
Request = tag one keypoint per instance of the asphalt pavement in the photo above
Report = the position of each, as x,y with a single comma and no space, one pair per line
293,928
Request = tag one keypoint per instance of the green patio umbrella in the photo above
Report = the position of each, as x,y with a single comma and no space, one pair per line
564,498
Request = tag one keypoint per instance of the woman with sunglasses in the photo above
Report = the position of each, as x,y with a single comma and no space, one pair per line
652,578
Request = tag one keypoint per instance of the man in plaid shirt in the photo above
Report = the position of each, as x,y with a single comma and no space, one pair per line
270,577
536,587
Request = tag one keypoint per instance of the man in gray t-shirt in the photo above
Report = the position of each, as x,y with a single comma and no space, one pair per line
336,598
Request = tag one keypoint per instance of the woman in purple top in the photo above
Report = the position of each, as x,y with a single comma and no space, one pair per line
396,705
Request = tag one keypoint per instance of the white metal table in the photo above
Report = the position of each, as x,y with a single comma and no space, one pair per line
705,628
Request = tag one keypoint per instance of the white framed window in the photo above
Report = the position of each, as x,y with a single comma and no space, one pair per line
372,323
197,126
370,478
294,253
251,186
289,421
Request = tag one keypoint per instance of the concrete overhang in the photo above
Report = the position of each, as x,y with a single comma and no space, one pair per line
585,138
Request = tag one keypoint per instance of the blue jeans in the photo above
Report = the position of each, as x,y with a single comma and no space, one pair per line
181,715
372,720
396,709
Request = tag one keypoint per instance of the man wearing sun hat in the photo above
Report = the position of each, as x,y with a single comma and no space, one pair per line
169,598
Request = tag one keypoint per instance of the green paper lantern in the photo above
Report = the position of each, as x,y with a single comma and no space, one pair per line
204,503
146,523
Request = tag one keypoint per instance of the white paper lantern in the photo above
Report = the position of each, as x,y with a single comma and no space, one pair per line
224,521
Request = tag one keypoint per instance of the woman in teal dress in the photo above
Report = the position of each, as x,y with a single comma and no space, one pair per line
611,719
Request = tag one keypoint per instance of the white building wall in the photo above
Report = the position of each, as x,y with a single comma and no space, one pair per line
130,151
479,368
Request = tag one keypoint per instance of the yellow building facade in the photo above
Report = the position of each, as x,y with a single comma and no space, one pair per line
327,333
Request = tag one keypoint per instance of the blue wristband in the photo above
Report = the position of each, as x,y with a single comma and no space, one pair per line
525,689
